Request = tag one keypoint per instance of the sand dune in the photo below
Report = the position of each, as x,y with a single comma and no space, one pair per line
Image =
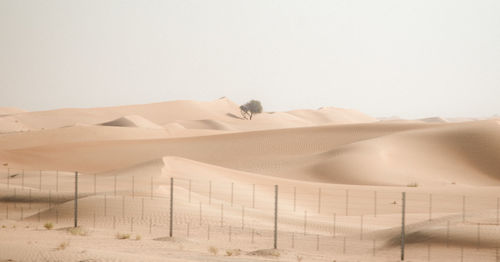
77,134
256,151
127,155
207,124
160,113
10,110
9,124
132,121
221,114
433,120
395,154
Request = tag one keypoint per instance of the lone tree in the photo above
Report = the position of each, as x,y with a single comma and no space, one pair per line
251,108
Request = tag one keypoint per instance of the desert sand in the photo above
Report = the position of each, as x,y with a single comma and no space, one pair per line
340,176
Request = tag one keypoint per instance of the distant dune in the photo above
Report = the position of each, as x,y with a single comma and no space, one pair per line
433,120
221,114
10,110
132,121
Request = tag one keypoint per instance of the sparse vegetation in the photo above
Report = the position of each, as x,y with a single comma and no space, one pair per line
413,184
265,253
233,252
63,245
78,231
250,108
138,237
213,250
122,236
48,225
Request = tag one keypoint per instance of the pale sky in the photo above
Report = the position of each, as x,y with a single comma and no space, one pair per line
412,59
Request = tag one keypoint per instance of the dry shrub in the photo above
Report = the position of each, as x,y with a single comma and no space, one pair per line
63,245
48,225
265,253
138,237
122,236
213,250
233,252
78,231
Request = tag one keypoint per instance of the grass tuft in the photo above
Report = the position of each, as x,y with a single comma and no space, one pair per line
78,231
413,184
63,245
122,236
213,250
233,252
48,225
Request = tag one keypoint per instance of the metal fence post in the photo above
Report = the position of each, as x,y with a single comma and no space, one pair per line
171,206
275,216
76,199
403,227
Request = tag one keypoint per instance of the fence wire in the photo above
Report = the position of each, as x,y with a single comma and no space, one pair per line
324,219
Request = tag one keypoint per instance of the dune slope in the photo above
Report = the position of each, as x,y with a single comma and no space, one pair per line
378,153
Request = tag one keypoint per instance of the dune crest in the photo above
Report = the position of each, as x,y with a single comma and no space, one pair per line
10,110
132,121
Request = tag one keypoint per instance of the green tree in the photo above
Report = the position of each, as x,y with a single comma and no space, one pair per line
251,108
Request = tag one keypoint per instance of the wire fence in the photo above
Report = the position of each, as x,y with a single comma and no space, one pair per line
328,219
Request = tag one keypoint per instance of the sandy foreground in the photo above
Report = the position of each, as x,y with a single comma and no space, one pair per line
340,177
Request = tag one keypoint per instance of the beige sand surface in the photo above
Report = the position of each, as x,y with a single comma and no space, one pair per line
340,175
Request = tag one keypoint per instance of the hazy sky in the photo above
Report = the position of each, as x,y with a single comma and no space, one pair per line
413,58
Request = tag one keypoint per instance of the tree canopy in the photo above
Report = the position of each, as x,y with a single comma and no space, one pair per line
251,108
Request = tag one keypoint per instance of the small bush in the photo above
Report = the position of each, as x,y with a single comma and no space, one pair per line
48,225
299,258
63,245
78,231
138,237
122,236
413,184
3,226
233,252
213,250
265,253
